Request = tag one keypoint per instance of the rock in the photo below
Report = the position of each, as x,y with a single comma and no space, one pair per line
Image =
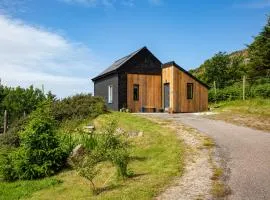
89,129
135,134
140,134
76,155
120,131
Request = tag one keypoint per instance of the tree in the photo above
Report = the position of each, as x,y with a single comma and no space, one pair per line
216,69
259,53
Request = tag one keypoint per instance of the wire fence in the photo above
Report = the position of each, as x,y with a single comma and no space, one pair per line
241,89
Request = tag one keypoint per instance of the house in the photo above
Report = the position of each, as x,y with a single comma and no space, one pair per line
140,82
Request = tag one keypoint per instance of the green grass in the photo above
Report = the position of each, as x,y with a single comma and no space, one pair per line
254,113
24,189
251,106
157,157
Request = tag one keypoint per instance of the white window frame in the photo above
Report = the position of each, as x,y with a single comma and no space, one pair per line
110,94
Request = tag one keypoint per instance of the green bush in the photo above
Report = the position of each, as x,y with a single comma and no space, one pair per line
11,138
40,153
113,147
235,92
262,90
105,145
78,106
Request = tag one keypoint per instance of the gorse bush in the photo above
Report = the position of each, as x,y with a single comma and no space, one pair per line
78,106
40,153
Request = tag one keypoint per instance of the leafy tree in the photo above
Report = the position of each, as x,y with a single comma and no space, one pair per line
19,101
259,53
216,69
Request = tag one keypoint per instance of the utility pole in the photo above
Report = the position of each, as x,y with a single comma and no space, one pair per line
42,88
244,87
215,90
5,121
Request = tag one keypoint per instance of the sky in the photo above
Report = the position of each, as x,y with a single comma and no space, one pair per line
62,44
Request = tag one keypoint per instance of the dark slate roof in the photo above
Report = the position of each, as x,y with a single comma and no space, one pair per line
172,63
117,64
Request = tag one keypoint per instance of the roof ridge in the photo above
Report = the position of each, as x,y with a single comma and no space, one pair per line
116,65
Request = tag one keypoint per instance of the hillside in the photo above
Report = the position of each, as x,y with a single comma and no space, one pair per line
200,71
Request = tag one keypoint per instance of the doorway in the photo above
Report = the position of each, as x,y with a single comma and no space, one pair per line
166,96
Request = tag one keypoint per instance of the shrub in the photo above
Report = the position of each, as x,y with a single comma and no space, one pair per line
40,153
87,168
235,92
103,146
114,148
11,138
79,106
262,90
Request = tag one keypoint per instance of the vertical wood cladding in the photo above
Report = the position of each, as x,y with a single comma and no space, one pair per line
178,91
142,63
149,91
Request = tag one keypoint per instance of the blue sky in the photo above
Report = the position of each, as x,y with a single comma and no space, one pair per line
63,43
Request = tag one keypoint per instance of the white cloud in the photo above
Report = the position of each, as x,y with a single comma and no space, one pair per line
31,55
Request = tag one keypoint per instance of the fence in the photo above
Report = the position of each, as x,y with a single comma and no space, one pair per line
241,89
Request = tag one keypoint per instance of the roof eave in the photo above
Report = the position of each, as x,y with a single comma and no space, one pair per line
173,63
103,75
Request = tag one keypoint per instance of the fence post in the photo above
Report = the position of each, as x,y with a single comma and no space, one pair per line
244,87
215,89
5,121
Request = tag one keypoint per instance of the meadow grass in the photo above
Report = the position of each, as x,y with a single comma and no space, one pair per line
254,113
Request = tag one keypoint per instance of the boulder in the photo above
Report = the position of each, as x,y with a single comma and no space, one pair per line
76,155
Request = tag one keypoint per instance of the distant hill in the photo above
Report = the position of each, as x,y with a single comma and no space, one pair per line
199,71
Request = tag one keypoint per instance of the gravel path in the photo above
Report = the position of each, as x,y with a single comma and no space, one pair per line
245,151
195,183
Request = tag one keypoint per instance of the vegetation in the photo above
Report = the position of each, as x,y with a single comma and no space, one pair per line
19,101
154,159
24,189
254,113
40,153
226,71
77,107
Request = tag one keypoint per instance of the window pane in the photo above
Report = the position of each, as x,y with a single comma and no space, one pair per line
110,94
189,90
136,92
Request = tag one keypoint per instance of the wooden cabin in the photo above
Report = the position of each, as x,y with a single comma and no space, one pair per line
141,83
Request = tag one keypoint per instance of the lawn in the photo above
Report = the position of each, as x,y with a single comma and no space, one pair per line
157,157
254,113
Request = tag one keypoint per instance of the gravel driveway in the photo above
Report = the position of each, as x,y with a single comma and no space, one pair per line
246,153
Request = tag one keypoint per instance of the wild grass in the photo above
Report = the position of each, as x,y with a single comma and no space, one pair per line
250,106
24,189
253,113
156,158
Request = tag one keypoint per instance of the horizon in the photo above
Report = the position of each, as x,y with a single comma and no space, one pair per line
63,44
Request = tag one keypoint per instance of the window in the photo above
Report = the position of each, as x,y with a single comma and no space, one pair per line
110,94
136,92
189,90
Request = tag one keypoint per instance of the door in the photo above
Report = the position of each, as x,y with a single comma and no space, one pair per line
166,95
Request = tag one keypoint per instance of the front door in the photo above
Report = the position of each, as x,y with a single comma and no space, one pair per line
166,95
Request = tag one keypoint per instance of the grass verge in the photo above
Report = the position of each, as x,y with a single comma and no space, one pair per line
156,158
253,113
